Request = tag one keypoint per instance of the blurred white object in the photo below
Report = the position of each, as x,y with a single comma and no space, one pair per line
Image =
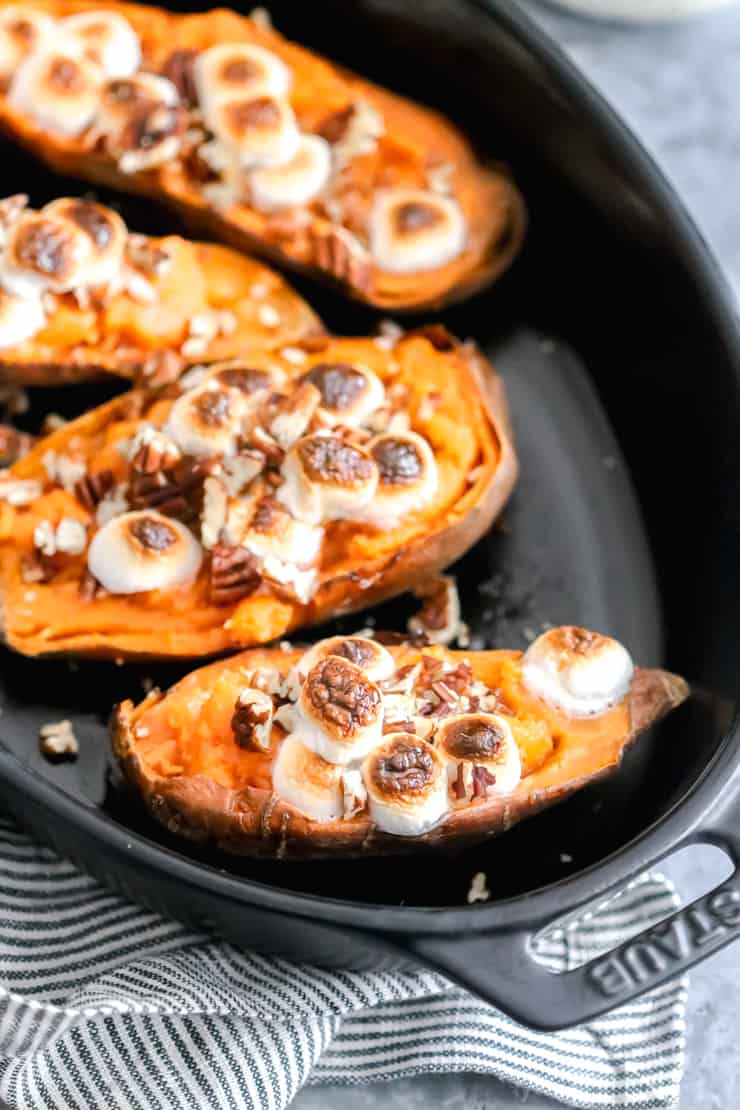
644,10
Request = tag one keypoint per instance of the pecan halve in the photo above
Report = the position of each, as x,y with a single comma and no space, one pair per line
251,720
176,491
342,695
234,574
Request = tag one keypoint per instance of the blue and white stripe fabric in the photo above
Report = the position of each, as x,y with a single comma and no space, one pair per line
103,1004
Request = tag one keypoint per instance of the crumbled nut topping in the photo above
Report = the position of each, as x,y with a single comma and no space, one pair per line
19,491
63,470
479,891
343,695
147,256
354,794
294,414
58,741
91,489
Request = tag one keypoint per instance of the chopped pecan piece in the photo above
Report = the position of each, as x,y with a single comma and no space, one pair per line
92,488
176,492
234,574
251,722
178,68
90,588
13,444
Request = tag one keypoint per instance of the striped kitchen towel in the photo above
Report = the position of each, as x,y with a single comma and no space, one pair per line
103,1004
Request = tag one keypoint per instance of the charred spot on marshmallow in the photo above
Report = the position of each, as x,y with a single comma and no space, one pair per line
247,379
371,658
473,737
340,694
44,246
245,116
150,123
153,533
95,221
339,384
107,39
411,230
399,460
415,216
259,130
213,407
104,231
231,70
65,75
403,766
327,458
356,650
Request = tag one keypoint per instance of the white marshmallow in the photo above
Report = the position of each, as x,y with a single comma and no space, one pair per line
296,182
107,39
581,673
206,420
373,659
274,534
326,479
141,551
21,30
20,318
412,230
307,782
398,804
231,70
106,234
349,394
260,131
407,480
57,87
484,740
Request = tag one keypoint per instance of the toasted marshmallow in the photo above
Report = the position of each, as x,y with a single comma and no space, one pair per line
296,182
105,231
206,420
21,30
20,318
261,130
372,659
481,754
143,551
57,87
42,252
237,70
107,39
307,782
407,478
406,782
579,672
252,381
274,534
339,713
349,394
142,121
411,230
326,479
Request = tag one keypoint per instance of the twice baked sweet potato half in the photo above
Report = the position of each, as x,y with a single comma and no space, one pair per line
258,142
352,747
252,497
81,296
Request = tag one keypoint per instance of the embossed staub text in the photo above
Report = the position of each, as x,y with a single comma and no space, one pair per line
698,929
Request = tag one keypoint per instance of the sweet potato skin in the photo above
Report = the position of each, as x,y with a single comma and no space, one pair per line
255,822
346,587
143,342
494,207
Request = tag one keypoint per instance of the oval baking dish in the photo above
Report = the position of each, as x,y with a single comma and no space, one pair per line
613,266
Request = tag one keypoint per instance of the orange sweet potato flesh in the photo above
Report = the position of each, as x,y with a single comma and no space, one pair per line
124,337
178,752
467,428
415,138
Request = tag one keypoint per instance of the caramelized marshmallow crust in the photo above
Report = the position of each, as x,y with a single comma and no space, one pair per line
265,145
466,749
79,295
277,549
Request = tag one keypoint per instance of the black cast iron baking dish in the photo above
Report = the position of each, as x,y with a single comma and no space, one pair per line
616,272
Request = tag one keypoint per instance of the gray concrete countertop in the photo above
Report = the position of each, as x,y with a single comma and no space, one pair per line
678,86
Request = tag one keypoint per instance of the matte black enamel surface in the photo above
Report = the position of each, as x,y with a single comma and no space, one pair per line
614,268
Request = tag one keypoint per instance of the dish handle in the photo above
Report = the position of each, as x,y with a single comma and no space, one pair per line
499,965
